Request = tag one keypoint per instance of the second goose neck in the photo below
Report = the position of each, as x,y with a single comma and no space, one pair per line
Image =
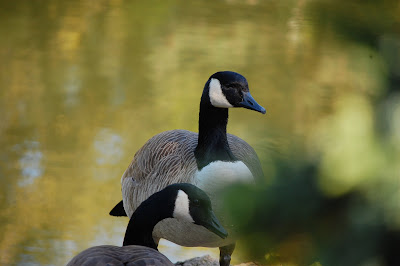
143,221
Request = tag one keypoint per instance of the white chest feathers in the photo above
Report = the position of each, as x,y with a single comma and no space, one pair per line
219,174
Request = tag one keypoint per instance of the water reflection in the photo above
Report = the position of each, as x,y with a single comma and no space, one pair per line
84,84
30,162
72,87
108,146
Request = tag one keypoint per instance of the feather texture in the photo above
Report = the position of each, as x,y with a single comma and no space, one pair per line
168,158
113,255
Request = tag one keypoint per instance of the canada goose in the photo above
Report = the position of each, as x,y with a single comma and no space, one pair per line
184,202
210,159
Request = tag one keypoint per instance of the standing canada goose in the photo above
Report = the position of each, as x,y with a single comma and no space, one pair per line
210,159
184,202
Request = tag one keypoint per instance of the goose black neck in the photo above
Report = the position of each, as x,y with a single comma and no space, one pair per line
212,143
145,218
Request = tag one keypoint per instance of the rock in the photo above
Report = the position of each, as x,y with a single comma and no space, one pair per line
199,261
207,261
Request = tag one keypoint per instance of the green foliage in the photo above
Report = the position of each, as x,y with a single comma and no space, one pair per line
293,220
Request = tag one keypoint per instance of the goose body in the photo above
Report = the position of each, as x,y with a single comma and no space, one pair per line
168,158
210,159
126,255
181,202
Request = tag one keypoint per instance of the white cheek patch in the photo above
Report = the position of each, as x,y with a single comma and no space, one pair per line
181,210
217,98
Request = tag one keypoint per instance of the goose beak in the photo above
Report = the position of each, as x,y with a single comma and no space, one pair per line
249,103
214,226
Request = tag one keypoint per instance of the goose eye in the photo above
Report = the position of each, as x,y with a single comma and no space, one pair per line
196,202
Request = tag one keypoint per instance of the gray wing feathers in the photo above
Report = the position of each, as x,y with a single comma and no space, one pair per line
170,147
112,255
168,158
164,159
244,152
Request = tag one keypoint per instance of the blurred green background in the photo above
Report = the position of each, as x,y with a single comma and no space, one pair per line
83,84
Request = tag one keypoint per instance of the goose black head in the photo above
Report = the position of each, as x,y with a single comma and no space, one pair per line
228,89
193,205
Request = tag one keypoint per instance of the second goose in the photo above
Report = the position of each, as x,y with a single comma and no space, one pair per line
179,202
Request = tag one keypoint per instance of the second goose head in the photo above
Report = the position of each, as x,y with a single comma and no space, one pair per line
192,204
181,201
228,89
